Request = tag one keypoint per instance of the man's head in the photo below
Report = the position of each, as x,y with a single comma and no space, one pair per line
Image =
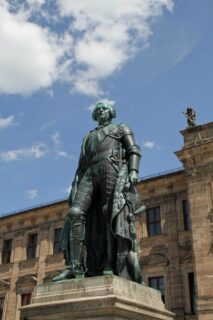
189,110
103,112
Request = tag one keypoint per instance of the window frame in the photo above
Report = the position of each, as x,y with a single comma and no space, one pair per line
56,241
7,253
27,297
158,287
192,292
186,217
153,222
33,247
2,298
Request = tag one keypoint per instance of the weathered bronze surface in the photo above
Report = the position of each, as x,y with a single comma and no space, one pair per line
99,235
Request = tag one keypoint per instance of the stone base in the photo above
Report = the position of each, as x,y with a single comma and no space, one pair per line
100,298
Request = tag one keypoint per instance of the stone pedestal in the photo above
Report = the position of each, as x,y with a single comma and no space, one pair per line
100,298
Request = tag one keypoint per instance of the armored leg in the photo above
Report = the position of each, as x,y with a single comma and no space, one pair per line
75,267
77,237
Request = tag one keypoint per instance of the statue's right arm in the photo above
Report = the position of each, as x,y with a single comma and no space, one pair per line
74,184
78,174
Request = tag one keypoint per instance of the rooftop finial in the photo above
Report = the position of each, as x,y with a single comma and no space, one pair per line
191,117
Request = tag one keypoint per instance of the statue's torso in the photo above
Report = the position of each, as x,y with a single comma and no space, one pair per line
103,142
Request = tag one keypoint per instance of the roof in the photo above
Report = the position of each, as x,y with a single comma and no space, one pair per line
47,204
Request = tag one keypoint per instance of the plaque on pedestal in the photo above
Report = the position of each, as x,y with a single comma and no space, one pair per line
100,298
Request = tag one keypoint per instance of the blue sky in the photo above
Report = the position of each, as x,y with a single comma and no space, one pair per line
58,58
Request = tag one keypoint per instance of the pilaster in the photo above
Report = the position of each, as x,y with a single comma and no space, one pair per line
197,158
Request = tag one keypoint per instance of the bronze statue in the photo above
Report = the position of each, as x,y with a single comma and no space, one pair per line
99,235
191,117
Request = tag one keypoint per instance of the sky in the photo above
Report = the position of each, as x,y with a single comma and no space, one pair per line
151,58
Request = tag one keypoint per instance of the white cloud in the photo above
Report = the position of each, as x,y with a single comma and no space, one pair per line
60,153
111,32
35,3
63,154
105,100
56,138
6,122
50,93
30,54
96,40
32,194
48,124
149,144
67,190
37,150
176,52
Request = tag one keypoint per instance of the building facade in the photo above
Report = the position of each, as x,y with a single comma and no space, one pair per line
175,237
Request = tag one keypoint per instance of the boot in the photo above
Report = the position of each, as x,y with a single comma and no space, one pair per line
77,236
78,269
66,274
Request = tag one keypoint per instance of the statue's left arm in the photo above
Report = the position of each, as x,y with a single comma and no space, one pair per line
132,153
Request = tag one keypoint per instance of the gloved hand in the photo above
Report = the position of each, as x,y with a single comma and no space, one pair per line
133,177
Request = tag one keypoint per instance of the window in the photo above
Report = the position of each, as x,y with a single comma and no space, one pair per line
186,221
1,307
31,248
153,221
25,299
7,247
158,284
57,235
191,291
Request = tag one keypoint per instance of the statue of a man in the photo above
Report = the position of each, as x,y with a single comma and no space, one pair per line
191,117
99,234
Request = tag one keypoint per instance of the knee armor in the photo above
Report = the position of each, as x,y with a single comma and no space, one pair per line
76,214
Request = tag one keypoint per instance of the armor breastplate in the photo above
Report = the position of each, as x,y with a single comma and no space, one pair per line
100,144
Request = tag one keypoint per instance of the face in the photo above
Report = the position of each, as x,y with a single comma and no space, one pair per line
103,114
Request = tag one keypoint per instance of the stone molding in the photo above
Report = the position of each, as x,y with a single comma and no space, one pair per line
105,297
164,198
4,284
154,259
26,279
54,258
5,267
25,264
